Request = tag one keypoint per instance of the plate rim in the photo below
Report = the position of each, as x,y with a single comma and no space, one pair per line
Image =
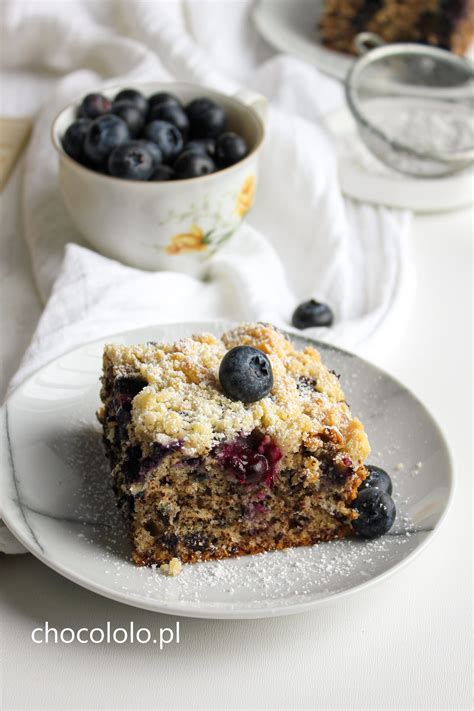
322,55
208,613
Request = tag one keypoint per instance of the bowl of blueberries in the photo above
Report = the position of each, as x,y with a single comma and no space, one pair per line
159,176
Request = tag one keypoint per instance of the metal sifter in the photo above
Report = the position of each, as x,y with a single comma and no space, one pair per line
413,105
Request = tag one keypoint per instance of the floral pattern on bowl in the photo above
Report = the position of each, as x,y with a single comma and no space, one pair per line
197,238
246,196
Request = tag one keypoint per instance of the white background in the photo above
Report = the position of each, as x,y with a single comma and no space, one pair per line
403,644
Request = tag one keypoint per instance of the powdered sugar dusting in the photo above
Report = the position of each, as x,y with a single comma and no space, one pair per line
266,579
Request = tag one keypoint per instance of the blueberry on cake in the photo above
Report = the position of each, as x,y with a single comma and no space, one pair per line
448,24
229,446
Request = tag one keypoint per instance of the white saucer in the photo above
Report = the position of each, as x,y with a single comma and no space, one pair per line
56,495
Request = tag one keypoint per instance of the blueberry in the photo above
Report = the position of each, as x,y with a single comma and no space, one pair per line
132,161
312,313
162,172
376,513
166,136
230,148
163,97
378,478
172,114
134,97
103,135
207,118
246,374
202,145
192,164
154,150
94,105
129,113
73,139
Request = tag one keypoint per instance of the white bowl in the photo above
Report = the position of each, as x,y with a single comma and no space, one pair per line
174,225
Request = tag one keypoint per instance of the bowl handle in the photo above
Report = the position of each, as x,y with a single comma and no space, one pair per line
257,102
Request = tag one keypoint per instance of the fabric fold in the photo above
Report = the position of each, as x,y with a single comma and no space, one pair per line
301,240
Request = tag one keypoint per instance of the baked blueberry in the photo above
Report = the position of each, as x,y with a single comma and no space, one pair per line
134,97
163,97
378,478
251,460
376,513
129,113
94,105
192,164
131,161
312,313
166,136
245,374
162,172
103,135
73,139
154,150
202,145
230,148
207,118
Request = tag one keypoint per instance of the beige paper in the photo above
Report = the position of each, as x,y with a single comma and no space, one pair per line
14,133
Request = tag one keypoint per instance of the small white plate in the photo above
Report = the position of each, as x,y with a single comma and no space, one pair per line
291,26
56,495
363,177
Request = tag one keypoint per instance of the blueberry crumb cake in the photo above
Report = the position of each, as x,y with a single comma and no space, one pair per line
448,24
236,445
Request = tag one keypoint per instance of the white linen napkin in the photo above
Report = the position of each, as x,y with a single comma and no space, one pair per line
301,240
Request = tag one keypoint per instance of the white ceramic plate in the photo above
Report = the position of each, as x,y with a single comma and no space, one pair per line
291,26
363,177
56,495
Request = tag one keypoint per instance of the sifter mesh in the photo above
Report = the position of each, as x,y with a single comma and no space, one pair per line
414,107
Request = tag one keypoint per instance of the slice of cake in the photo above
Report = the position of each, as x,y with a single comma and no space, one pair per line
448,24
223,447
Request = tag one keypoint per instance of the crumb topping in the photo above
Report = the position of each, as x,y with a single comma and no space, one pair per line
184,400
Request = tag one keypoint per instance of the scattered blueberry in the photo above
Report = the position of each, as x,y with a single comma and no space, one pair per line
103,135
245,374
192,164
172,114
131,161
134,97
230,148
94,105
376,513
378,478
129,113
73,140
166,136
207,118
311,314
163,97
202,145
162,172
